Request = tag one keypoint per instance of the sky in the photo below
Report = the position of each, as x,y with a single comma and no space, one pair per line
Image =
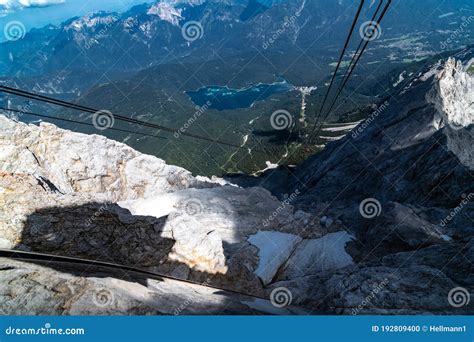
38,13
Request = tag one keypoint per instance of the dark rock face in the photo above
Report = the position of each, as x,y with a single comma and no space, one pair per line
416,282
406,193
110,234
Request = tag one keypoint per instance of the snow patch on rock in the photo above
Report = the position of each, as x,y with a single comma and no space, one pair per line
318,255
167,12
274,249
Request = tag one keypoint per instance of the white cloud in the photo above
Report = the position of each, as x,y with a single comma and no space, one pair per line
8,6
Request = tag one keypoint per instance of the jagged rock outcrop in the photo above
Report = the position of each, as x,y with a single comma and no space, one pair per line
71,194
453,97
73,164
402,185
416,282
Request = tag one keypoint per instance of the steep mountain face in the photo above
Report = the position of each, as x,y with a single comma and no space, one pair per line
402,182
379,222
453,98
417,132
66,193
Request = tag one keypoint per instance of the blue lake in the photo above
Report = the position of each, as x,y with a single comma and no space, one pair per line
222,98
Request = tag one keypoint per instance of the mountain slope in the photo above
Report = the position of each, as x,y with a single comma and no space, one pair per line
403,184
385,213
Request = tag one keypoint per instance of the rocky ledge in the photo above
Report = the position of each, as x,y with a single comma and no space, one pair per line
363,227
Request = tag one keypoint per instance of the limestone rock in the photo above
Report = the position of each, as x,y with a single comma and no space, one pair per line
453,97
28,288
399,228
274,248
319,255
76,162
197,230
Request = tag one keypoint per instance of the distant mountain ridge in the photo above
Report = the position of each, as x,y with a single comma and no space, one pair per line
96,40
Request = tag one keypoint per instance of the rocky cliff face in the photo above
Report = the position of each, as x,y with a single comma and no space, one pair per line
402,184
453,97
380,222
64,193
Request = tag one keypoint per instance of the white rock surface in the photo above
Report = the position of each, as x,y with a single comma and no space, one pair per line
203,220
456,94
52,289
76,162
203,225
274,249
453,96
319,255
167,12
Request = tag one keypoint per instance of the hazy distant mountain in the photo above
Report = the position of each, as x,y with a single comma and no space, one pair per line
151,33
